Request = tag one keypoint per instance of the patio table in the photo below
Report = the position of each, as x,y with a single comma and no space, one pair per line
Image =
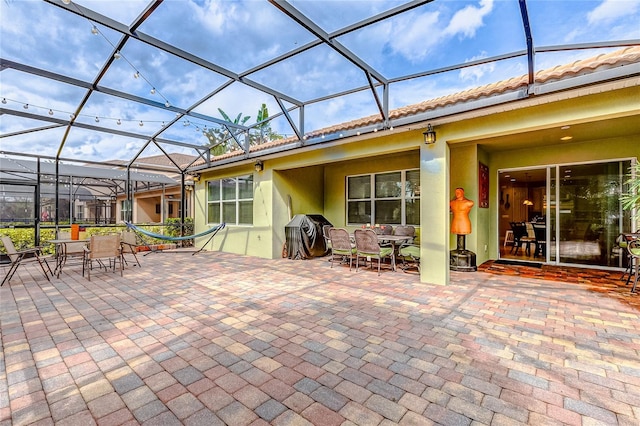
394,240
61,250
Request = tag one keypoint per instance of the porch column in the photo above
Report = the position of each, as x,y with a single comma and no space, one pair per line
434,212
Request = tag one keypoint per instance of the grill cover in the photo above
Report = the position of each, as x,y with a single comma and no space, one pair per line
304,236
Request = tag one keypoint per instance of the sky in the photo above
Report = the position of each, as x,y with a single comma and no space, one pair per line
238,36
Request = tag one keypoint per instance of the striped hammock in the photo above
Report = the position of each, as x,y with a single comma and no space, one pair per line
169,238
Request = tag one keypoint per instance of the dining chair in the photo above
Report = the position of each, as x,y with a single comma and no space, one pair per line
327,237
521,237
540,232
102,248
367,247
341,245
405,230
410,255
19,257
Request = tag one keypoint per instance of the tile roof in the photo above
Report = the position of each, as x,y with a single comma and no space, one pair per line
614,59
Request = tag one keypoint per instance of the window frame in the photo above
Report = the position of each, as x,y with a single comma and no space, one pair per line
372,199
224,199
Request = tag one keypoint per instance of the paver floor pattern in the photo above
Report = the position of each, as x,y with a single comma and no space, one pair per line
220,339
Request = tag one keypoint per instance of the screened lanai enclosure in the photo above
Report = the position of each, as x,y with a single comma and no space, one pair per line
90,89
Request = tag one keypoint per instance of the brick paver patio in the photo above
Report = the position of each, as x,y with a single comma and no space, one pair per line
219,339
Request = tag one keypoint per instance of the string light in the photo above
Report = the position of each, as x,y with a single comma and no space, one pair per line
153,90
94,30
117,55
137,74
98,119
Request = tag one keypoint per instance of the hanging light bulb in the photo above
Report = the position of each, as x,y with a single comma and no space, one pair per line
163,124
153,90
137,74
117,55
167,104
72,116
118,122
4,100
97,120
94,30
26,106
141,123
66,1
50,112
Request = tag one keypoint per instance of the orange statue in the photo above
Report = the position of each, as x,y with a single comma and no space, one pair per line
460,206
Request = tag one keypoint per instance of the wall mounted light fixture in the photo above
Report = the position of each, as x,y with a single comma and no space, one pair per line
429,135
196,178
259,166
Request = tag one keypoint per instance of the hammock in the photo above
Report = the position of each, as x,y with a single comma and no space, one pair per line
213,231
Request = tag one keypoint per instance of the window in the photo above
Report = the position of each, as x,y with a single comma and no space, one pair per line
125,210
394,200
230,200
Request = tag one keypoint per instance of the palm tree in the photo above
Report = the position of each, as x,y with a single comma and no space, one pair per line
220,138
222,141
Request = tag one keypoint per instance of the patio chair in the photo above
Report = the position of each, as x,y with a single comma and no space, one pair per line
102,248
327,237
367,247
405,230
130,246
410,256
634,252
341,246
18,257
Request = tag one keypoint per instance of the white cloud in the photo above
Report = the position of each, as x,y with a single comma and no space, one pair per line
476,73
415,34
610,10
466,21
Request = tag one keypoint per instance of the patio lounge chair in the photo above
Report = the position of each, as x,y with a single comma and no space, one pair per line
18,257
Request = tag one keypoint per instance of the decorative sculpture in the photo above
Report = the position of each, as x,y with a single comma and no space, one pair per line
461,259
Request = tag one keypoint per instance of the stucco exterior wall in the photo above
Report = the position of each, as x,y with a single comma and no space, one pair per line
500,137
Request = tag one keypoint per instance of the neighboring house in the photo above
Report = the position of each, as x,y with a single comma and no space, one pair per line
575,130
160,202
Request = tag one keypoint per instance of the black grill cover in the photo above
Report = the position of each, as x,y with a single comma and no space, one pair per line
304,236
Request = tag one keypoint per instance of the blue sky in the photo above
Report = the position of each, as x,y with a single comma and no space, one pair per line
239,35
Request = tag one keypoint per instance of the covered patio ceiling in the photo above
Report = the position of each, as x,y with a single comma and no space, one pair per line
108,81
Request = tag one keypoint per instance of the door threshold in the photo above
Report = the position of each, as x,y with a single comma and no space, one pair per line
517,263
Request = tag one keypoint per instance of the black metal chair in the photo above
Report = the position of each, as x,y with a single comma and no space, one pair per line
521,237
540,232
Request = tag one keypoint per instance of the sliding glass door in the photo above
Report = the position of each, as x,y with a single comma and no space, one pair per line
586,214
578,205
